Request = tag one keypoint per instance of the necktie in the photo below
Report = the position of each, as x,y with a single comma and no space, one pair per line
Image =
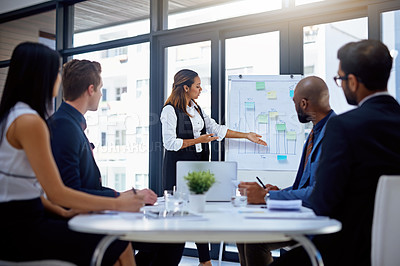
309,147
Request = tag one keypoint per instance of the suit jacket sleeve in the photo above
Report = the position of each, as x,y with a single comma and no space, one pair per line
66,151
334,169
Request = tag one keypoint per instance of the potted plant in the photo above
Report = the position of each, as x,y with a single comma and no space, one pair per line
199,182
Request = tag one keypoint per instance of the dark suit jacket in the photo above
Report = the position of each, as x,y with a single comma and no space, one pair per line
359,147
73,154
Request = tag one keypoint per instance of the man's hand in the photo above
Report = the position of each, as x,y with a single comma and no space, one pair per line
269,187
255,193
149,196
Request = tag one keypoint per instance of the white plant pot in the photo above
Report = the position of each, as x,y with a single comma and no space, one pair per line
197,202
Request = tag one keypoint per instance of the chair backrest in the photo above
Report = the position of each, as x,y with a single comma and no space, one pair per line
386,223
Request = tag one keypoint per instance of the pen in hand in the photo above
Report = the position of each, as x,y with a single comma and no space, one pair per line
262,184
134,191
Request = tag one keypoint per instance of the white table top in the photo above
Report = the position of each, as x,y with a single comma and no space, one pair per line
220,222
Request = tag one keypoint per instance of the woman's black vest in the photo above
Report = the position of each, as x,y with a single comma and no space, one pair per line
184,130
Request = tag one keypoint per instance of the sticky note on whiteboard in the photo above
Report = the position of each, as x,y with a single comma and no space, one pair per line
271,95
260,85
273,114
291,135
263,119
281,127
249,105
281,157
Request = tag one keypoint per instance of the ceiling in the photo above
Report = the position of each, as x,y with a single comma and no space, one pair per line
95,14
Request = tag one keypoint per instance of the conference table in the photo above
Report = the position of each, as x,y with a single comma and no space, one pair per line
220,222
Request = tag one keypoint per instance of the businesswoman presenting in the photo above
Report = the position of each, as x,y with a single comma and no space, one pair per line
187,130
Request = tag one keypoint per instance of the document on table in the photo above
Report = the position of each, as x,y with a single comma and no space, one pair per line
302,213
294,205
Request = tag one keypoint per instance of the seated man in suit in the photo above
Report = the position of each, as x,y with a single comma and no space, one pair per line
360,146
73,153
311,99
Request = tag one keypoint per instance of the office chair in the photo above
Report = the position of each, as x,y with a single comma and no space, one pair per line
385,227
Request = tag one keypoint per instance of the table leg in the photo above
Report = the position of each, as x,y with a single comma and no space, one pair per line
312,251
101,248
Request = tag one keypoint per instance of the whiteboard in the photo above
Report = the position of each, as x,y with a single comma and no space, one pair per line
263,104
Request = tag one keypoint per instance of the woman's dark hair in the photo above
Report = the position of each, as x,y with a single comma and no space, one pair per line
31,77
369,60
177,97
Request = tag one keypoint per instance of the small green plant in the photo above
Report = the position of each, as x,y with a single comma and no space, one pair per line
199,182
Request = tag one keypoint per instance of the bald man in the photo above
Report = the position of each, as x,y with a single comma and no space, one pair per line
311,100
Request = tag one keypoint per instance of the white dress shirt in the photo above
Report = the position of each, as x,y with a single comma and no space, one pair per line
169,123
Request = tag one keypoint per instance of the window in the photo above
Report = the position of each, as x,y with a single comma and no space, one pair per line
118,94
197,57
141,181
391,37
321,43
195,12
103,139
141,86
120,137
120,182
260,48
112,127
104,94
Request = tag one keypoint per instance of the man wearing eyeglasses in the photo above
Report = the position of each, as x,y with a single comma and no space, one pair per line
360,146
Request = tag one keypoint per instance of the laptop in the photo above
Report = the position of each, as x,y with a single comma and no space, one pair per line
225,178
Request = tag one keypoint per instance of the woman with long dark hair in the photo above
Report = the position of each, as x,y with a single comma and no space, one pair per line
187,130
28,170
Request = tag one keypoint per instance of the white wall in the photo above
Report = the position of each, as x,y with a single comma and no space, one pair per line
11,5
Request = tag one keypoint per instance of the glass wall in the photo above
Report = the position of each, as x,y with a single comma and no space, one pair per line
321,43
253,54
119,129
391,37
197,57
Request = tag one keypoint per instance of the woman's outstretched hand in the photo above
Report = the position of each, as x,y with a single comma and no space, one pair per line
254,137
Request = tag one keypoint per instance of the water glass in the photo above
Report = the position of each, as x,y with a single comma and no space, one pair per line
239,197
174,201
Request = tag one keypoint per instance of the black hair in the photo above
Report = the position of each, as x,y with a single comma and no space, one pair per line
368,60
31,77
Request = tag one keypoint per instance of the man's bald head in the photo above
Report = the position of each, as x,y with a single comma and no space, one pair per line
311,98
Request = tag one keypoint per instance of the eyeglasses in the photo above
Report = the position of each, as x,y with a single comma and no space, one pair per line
338,80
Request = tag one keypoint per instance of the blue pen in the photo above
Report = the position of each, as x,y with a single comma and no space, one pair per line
262,184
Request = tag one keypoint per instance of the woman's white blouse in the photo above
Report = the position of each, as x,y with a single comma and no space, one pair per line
17,179
169,123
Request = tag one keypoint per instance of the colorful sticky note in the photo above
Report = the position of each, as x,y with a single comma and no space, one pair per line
273,114
281,157
260,85
263,119
271,95
291,135
281,127
291,93
249,105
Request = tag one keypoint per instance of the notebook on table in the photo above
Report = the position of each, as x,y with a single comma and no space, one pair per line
225,176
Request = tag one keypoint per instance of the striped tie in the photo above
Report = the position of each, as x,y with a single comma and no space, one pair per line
309,146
